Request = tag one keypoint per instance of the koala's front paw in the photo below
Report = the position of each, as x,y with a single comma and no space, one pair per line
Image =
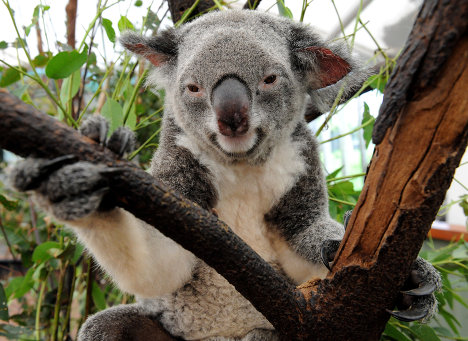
417,300
120,142
70,190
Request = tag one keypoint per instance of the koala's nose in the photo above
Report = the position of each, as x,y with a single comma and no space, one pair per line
231,104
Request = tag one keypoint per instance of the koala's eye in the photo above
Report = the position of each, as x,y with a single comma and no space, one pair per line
193,88
269,79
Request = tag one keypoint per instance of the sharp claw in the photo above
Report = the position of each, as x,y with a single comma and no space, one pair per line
423,290
48,167
103,132
409,315
124,145
325,262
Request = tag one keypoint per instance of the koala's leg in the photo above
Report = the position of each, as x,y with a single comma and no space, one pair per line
123,323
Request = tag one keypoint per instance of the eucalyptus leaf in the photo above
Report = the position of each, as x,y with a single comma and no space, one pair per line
98,297
367,130
124,24
70,87
3,45
107,24
112,110
9,76
9,205
283,10
45,251
65,63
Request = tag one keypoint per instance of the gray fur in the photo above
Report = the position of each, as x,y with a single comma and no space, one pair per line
267,185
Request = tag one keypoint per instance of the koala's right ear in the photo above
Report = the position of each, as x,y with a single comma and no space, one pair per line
159,49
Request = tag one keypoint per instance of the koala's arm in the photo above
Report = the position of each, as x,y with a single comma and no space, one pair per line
301,216
138,257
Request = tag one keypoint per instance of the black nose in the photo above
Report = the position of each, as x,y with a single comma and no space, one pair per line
231,104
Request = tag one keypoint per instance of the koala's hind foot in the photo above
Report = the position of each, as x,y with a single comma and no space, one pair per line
417,300
68,189
122,323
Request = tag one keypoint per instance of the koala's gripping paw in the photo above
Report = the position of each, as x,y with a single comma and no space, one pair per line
68,189
417,301
70,192
120,142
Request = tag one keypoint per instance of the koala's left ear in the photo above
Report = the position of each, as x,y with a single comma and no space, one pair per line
159,49
322,66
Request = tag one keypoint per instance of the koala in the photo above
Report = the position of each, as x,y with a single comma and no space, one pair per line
234,140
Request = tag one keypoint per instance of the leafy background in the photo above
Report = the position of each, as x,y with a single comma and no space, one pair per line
49,283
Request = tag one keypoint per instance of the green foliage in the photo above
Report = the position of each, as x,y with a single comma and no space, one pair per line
65,63
54,270
107,24
283,10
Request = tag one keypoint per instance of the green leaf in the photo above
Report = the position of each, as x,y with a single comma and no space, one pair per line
66,93
107,24
124,24
424,332
333,174
8,204
9,76
65,63
283,10
367,130
113,112
40,60
46,251
98,297
378,81
395,333
138,3
26,284
3,304
3,45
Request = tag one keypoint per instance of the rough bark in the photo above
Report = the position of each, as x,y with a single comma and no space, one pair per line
420,138
178,7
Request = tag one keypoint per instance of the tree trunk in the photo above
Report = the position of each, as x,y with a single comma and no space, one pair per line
421,134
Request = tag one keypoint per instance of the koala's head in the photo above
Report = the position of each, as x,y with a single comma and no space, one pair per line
236,81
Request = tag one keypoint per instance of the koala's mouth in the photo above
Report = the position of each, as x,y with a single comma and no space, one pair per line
233,146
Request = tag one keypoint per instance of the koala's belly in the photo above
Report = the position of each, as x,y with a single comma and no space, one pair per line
207,306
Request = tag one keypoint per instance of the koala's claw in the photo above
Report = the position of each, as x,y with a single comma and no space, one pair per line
423,290
95,127
328,251
122,141
418,302
409,315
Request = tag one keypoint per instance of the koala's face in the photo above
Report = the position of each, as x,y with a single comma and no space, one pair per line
236,81
235,91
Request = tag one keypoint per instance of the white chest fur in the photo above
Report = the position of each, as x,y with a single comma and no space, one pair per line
246,193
